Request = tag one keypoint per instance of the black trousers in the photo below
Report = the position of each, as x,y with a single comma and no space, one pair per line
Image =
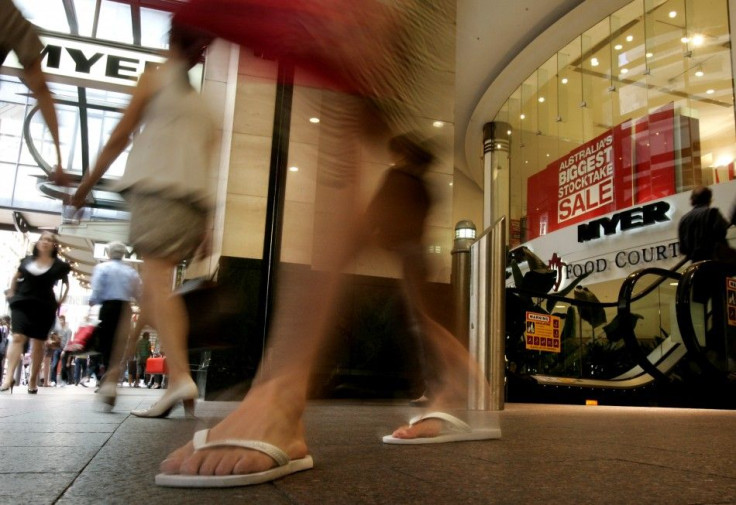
114,316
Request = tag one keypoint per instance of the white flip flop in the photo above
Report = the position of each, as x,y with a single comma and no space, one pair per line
285,466
453,430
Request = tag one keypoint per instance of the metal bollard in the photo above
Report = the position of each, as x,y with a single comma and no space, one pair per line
486,322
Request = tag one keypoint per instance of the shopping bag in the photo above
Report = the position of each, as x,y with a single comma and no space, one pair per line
82,340
156,366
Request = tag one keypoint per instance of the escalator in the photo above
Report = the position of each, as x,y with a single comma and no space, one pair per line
658,344
706,315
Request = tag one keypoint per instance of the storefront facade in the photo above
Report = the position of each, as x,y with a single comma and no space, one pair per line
593,155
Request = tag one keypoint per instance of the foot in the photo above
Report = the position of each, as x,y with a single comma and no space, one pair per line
426,428
260,416
185,391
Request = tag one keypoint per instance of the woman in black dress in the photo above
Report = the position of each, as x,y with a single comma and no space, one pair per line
33,305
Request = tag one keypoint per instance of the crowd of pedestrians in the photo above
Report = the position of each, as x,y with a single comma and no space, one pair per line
60,368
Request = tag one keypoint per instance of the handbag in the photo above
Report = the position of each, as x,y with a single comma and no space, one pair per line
211,307
156,366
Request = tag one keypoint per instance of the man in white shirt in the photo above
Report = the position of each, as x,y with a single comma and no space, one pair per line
114,285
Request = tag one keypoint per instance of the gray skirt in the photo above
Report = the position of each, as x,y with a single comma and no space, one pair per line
165,228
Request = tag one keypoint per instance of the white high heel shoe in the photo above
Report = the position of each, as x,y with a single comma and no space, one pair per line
185,393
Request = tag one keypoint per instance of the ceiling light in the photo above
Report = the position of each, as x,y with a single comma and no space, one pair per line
564,80
541,99
629,38
624,70
684,40
314,120
293,169
699,73
594,62
710,91
522,116
508,132
649,55
438,124
672,14
618,47
698,40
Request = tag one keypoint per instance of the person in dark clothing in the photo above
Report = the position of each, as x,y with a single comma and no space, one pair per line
34,305
702,231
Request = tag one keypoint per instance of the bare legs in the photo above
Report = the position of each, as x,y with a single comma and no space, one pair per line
14,352
15,349
168,315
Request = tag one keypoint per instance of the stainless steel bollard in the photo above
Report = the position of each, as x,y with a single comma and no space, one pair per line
486,322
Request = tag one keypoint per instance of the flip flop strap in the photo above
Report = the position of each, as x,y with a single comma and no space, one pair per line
200,442
453,423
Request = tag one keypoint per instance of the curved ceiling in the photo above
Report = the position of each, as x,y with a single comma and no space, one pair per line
490,35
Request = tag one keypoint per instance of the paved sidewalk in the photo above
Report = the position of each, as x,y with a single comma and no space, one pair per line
57,449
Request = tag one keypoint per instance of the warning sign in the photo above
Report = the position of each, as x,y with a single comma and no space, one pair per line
542,332
731,300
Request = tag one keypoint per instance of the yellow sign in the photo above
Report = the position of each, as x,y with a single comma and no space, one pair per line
542,332
731,300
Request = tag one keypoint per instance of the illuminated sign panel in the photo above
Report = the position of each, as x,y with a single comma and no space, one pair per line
626,220
633,163
585,179
92,63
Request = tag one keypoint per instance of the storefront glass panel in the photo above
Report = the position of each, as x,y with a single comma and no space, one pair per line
655,80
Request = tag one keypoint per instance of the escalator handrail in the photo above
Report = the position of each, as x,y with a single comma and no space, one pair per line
683,310
624,308
625,297
577,302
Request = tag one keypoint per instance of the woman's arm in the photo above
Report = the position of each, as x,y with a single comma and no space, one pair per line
13,285
118,140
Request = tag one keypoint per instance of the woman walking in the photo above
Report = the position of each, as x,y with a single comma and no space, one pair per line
165,184
33,306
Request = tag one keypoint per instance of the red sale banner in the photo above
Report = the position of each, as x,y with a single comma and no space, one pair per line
629,164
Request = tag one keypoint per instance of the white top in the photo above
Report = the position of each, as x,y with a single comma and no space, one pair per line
35,268
172,154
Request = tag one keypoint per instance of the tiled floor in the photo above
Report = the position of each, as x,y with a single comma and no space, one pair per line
56,448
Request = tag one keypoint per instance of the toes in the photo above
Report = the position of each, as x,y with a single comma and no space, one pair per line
252,462
191,465
402,432
227,463
173,461
210,460
424,428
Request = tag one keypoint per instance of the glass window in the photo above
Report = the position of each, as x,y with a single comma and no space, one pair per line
155,28
654,66
115,22
49,14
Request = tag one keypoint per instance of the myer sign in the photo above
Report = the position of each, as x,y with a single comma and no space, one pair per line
615,245
90,62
